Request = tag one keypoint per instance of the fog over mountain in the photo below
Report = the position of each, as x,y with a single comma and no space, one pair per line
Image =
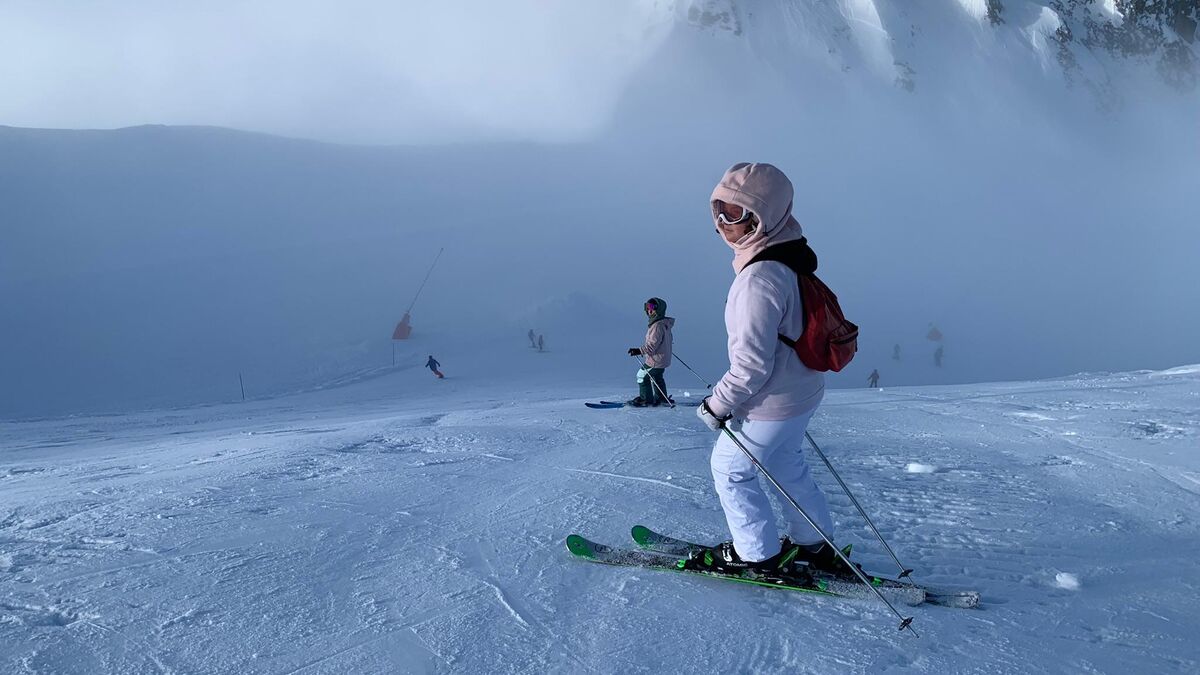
412,72
1020,174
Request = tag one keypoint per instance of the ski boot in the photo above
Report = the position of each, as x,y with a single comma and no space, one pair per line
724,559
638,402
823,559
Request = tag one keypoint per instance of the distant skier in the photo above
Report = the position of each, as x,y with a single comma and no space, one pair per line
767,385
541,343
896,352
532,340
652,386
937,356
433,365
873,379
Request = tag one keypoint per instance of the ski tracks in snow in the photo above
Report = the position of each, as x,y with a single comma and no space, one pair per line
609,474
478,561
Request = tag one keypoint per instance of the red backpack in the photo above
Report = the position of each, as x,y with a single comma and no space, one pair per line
828,341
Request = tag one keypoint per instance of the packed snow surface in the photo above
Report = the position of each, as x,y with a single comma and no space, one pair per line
405,524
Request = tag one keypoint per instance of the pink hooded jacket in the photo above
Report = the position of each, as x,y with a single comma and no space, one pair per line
766,380
658,345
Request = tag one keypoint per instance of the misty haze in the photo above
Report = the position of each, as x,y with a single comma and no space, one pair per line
279,268
1010,205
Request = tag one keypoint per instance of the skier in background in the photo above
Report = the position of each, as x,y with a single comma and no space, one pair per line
433,365
652,386
873,379
532,340
896,352
767,385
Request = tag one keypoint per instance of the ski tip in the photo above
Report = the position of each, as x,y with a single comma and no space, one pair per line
579,546
641,534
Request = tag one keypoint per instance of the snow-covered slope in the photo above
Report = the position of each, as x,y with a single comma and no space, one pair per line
403,524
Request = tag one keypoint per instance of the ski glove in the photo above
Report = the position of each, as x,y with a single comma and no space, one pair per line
634,351
710,420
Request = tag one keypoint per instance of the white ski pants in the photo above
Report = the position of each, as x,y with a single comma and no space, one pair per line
777,445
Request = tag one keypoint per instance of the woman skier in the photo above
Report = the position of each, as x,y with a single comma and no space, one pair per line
768,395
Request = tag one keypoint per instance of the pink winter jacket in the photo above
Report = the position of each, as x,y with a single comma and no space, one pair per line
766,380
658,346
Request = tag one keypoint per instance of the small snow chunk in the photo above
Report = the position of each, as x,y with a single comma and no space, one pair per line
668,476
914,467
687,394
1067,581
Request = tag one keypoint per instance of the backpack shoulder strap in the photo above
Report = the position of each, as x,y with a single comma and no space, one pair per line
800,259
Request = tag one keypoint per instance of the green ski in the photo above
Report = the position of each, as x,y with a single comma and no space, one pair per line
802,582
662,544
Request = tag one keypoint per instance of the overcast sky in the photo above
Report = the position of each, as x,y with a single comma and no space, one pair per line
354,70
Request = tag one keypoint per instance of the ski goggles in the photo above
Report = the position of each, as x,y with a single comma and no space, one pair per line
730,214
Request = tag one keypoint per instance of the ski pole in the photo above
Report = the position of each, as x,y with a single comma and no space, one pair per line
905,622
685,365
904,571
653,383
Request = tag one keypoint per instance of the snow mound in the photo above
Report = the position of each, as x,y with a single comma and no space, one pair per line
914,467
1066,580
